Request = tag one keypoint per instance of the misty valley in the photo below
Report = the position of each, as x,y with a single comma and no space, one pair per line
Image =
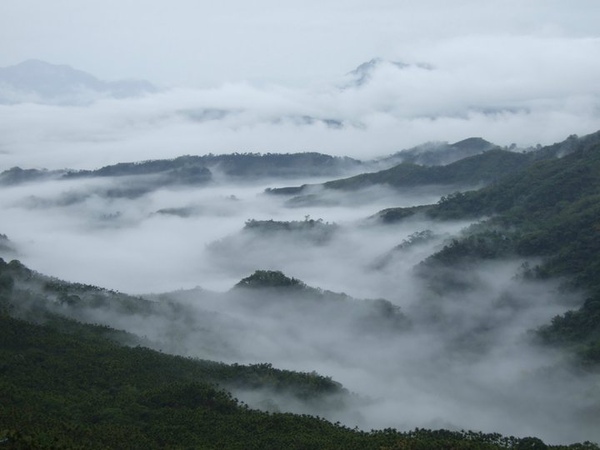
305,301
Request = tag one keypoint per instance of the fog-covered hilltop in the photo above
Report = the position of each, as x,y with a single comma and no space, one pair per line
35,81
439,153
364,73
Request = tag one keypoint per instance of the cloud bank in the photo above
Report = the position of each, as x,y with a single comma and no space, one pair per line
541,94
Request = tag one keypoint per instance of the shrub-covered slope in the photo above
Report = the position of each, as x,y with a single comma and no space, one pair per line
549,210
77,390
472,171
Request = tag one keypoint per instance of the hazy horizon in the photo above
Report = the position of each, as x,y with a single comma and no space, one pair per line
275,77
186,43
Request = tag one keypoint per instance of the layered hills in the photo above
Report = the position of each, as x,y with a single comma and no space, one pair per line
86,366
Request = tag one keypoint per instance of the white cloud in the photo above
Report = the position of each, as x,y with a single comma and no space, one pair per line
537,90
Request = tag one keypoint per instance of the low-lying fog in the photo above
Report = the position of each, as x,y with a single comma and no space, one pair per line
463,359
161,241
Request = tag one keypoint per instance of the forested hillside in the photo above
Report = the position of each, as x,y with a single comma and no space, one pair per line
70,385
489,165
549,210
192,168
64,385
473,171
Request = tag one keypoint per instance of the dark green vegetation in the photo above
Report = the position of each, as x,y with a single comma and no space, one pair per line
486,164
27,295
191,169
270,279
33,296
406,167
392,215
77,390
316,231
69,385
472,171
417,238
135,179
246,165
264,236
548,210
80,391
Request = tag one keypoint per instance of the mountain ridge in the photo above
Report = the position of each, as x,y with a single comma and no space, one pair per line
482,168
543,209
364,72
38,81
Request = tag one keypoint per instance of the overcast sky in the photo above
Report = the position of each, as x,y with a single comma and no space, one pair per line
523,72
203,43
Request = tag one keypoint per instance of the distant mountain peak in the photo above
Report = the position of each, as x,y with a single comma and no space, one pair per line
475,144
38,63
363,73
372,64
439,153
38,81
35,63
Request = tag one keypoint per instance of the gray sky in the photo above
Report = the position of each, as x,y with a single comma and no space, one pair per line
205,43
523,72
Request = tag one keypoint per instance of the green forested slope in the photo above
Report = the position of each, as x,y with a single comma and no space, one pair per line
475,170
478,169
491,166
85,392
75,390
253,165
549,210
70,385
